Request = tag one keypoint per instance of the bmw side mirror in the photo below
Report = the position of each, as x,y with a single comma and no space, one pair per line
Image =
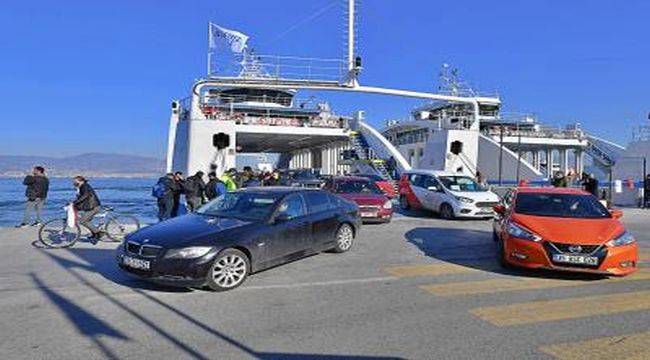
280,218
616,214
499,209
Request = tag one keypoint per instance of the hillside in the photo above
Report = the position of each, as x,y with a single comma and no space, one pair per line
91,164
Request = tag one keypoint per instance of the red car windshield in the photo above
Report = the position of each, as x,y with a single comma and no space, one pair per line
560,205
356,187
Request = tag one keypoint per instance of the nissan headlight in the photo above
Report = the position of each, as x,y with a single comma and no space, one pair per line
465,200
188,252
624,239
388,205
522,233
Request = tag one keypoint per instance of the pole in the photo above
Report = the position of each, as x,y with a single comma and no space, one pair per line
518,153
645,174
351,35
611,186
209,49
501,155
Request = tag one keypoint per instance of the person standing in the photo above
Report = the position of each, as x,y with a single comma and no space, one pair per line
215,187
591,185
37,187
481,180
228,178
178,189
87,205
164,192
194,191
559,180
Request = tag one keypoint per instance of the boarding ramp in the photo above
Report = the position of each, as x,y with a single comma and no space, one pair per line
374,153
605,153
488,162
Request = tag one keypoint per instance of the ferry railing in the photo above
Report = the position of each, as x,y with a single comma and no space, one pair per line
330,122
287,101
287,67
537,132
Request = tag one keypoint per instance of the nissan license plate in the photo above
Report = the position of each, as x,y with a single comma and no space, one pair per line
136,263
575,259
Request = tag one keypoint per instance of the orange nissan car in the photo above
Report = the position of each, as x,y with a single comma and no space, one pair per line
562,229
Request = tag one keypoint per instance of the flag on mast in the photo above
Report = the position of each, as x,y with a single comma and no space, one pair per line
219,35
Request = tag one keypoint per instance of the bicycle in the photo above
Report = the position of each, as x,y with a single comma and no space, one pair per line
56,233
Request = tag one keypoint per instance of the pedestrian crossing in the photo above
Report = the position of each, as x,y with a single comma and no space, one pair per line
490,286
561,309
629,346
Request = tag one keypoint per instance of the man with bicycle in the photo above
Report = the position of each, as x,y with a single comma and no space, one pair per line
87,205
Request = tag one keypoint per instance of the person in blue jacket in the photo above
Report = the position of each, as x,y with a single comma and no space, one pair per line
215,187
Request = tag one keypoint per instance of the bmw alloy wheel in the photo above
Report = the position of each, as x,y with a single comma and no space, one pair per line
229,270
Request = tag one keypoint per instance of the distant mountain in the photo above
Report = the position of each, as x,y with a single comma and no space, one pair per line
91,164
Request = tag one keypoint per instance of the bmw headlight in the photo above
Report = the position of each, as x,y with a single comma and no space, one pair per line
388,205
522,233
464,199
188,252
624,239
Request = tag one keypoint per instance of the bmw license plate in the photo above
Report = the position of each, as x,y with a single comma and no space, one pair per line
136,263
575,259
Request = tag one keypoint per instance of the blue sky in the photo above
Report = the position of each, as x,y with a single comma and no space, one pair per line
81,76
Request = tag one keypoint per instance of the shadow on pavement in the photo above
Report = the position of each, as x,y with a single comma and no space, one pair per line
476,249
101,261
86,323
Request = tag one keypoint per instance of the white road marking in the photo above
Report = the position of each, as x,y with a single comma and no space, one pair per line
320,283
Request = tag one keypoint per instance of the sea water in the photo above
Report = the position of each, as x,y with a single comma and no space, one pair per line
126,195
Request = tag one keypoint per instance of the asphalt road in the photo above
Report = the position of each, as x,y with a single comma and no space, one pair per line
418,288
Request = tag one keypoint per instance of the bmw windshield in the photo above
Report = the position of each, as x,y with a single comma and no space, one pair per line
460,183
561,205
241,205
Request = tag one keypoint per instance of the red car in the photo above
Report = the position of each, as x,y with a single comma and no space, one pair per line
384,185
563,229
374,206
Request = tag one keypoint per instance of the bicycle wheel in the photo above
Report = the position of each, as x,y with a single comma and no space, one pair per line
57,234
120,226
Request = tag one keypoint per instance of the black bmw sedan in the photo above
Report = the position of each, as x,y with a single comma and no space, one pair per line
239,233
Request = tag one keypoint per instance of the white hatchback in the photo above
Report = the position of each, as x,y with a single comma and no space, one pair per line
450,195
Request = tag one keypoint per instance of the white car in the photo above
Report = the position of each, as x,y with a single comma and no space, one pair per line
449,194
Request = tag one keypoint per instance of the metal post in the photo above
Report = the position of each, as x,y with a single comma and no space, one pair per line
611,186
501,156
209,49
518,153
645,193
351,35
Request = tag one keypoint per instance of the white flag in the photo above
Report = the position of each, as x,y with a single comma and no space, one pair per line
234,39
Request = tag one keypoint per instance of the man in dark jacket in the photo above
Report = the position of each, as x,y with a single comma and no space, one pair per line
179,189
215,187
87,205
194,191
36,193
591,185
166,199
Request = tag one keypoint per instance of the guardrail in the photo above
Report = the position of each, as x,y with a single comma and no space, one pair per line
286,67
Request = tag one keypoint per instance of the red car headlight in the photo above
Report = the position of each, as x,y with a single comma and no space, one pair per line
520,232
